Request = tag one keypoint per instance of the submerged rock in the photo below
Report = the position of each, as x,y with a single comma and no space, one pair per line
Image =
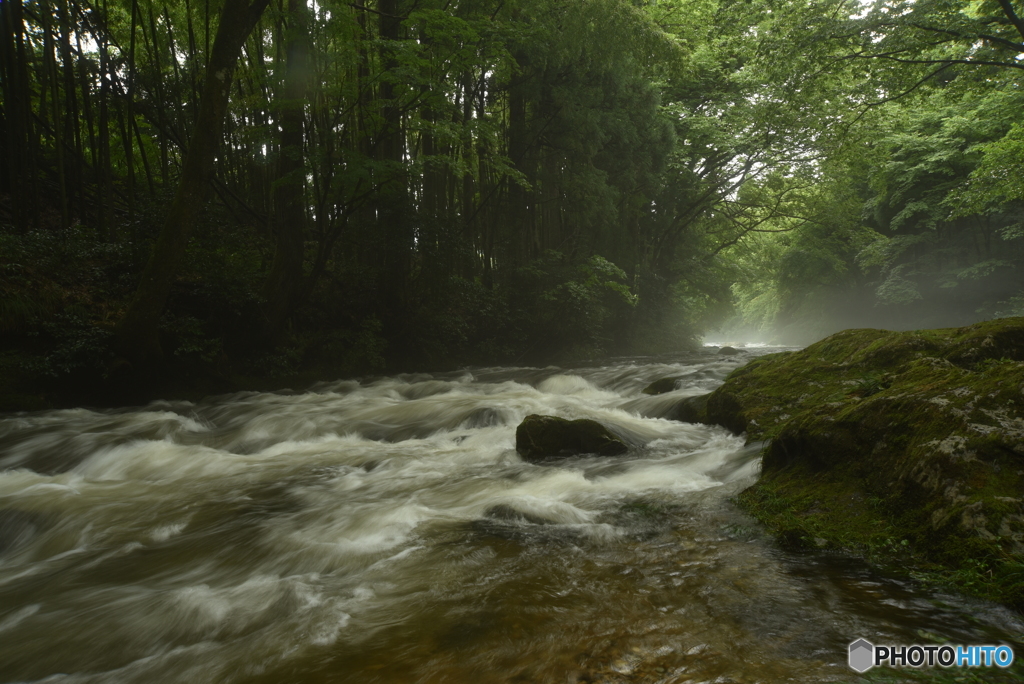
690,410
539,438
906,446
663,385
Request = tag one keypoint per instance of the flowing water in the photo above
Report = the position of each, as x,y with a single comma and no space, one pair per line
387,531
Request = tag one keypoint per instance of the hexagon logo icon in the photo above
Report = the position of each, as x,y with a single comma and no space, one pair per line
862,655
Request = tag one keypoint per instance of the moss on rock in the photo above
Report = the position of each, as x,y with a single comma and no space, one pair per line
904,446
539,438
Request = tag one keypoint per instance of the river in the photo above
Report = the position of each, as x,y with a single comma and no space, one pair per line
387,531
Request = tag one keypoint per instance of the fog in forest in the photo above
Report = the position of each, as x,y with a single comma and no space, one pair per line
830,310
420,185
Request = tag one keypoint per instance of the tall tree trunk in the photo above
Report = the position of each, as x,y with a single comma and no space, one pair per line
127,122
519,235
20,177
50,84
549,219
155,48
393,209
183,122
72,130
105,193
284,282
137,334
85,88
433,204
467,205
362,141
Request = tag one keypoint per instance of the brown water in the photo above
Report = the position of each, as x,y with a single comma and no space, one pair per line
387,531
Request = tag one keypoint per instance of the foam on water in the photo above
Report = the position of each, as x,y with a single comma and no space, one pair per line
249,535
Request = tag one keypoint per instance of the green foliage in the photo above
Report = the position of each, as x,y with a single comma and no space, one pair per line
193,340
1014,306
77,345
56,292
997,179
343,352
923,190
21,305
283,361
566,308
505,180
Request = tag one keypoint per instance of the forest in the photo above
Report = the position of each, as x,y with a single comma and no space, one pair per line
218,194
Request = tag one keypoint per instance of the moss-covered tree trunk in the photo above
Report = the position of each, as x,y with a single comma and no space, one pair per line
137,334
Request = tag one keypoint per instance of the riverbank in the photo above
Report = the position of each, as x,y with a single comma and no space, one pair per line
26,386
63,293
904,447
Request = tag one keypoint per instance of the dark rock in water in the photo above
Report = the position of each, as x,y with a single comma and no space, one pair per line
728,351
543,437
662,386
718,408
690,410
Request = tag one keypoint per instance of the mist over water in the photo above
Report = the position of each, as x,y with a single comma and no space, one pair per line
387,531
817,312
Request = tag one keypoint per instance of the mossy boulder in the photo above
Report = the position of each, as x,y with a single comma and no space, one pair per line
540,438
907,446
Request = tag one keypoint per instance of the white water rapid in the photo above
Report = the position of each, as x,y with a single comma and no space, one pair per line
387,531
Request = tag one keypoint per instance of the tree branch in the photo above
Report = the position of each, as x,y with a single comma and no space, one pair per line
970,62
1012,16
1017,47
377,12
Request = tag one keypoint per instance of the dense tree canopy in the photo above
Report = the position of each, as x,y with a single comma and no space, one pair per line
924,217
423,183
